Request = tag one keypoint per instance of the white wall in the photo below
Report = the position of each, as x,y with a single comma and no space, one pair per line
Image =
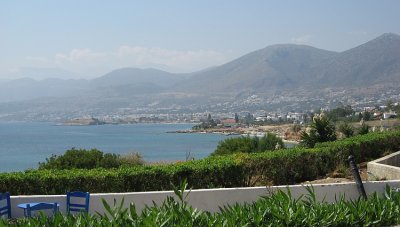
385,168
209,199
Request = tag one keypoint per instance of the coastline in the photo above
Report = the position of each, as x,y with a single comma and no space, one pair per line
244,131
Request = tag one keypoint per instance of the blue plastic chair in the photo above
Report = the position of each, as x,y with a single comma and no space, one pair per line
40,206
83,197
7,208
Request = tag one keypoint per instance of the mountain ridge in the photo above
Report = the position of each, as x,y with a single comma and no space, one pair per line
285,66
275,67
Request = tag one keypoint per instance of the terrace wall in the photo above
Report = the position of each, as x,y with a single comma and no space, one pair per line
209,199
387,167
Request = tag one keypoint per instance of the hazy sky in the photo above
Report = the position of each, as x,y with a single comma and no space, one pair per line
92,37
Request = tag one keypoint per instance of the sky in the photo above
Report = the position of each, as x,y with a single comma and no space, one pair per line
88,38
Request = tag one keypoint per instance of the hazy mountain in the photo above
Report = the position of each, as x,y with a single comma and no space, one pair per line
136,76
290,66
274,68
44,73
278,66
27,88
123,82
375,62
127,82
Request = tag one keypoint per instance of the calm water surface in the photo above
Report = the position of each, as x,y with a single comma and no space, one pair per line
23,145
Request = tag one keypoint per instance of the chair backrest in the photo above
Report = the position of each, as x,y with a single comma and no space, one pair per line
78,206
5,209
40,206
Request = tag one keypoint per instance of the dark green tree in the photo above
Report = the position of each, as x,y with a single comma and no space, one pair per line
321,130
246,144
249,119
346,129
366,116
364,129
389,105
340,113
81,159
236,118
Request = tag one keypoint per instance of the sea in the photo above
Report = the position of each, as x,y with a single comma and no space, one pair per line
24,144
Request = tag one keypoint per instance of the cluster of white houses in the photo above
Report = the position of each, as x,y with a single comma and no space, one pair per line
295,117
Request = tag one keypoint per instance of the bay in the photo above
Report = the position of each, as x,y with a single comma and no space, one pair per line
24,144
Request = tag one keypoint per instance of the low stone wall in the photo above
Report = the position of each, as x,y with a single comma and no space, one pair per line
209,199
387,168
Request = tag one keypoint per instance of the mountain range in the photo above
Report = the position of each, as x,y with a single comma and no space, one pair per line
292,66
274,68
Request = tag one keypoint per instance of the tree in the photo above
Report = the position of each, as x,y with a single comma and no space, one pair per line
249,119
89,159
321,130
347,129
236,118
81,159
246,144
389,105
340,112
364,129
366,116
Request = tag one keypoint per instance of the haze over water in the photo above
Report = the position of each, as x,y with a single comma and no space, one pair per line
23,145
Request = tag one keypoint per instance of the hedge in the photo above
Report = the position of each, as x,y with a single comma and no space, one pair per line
287,166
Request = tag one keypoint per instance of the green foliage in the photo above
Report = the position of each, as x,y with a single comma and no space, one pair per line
364,129
366,116
341,113
89,159
248,144
321,130
287,166
206,124
81,159
279,209
236,118
131,159
346,129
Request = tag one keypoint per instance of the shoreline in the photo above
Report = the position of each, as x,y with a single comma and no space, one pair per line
252,132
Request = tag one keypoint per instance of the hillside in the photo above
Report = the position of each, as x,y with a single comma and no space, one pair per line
274,67
292,66
126,76
285,77
375,62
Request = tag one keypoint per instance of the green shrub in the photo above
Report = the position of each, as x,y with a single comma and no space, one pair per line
364,129
321,130
131,159
346,129
287,166
90,159
246,144
81,159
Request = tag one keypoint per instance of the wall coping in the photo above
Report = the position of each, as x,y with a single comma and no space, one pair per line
210,199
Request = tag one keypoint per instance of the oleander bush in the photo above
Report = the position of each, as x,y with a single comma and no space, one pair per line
286,166
279,209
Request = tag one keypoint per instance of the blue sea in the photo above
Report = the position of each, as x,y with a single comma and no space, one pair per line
23,145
